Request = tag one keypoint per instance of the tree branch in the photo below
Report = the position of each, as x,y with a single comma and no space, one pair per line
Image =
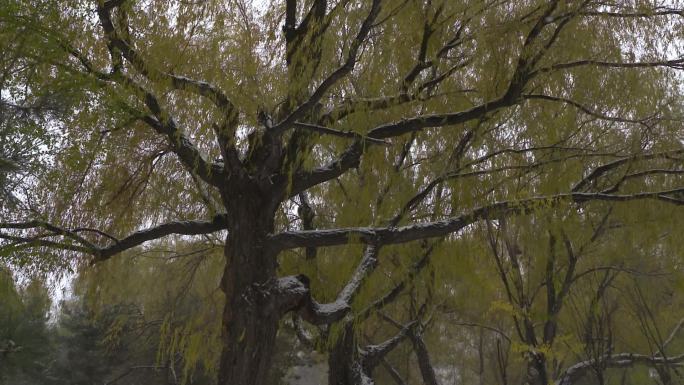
657,11
585,109
336,75
343,134
373,355
621,360
55,230
674,63
673,333
188,154
394,235
427,371
393,293
294,293
352,156
603,169
163,123
218,223
393,372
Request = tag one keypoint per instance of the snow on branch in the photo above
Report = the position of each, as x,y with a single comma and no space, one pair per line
417,231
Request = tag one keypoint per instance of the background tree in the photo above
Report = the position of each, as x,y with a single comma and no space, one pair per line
222,120
24,340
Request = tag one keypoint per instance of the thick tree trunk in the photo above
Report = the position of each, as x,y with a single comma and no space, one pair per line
250,317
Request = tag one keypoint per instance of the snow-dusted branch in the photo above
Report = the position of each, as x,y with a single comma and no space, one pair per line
577,371
394,235
294,293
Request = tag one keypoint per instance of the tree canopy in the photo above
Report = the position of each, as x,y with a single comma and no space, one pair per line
424,191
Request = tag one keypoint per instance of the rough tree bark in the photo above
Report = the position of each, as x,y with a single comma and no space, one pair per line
250,315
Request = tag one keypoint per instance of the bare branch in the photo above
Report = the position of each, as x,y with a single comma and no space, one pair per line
603,169
418,123
349,107
674,63
292,294
673,333
657,11
202,88
53,229
373,354
218,223
164,124
393,372
336,75
394,292
365,267
393,235
20,243
621,360
585,109
188,154
427,371
343,134
352,156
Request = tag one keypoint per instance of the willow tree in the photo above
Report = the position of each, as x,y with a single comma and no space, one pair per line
303,125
